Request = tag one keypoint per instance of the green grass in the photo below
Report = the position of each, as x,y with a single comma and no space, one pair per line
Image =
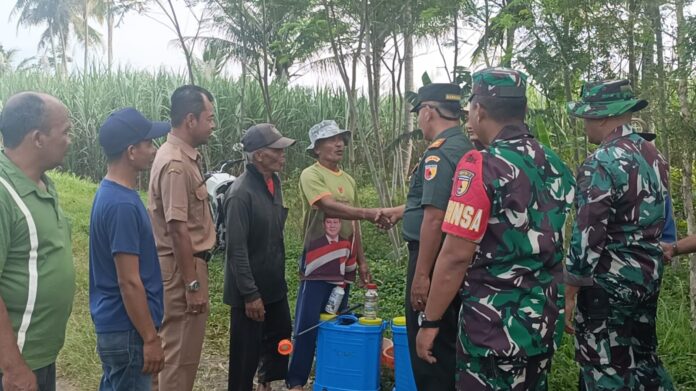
79,364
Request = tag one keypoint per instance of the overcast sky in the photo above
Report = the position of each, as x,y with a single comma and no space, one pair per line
143,43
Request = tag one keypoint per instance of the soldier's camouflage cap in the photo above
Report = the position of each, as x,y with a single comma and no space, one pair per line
607,98
499,82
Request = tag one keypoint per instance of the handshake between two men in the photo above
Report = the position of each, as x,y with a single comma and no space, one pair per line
386,218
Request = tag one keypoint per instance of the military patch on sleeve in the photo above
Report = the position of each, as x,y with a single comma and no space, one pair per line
469,207
437,143
464,178
432,158
430,171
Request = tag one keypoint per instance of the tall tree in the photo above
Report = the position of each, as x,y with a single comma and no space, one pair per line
115,10
91,9
684,73
7,57
57,16
269,38
186,45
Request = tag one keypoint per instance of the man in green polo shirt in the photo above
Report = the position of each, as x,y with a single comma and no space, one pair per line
37,277
439,111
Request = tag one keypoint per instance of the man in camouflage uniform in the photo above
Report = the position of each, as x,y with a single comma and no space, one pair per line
614,264
504,226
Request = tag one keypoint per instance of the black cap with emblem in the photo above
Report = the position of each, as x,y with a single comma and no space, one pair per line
447,94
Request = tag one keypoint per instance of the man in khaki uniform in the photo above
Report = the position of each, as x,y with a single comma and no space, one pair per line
184,232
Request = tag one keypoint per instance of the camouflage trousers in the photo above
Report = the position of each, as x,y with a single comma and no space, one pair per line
503,373
616,343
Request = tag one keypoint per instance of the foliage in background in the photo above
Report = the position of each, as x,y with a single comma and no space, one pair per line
296,109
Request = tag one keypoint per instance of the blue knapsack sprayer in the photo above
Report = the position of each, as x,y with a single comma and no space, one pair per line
348,347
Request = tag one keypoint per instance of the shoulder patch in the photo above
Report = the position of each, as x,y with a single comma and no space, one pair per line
174,166
464,178
437,143
432,158
430,171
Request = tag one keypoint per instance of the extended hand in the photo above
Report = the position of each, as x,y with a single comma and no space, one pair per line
667,252
381,220
393,214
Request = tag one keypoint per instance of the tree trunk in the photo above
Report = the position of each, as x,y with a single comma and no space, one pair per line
486,32
509,43
656,20
85,16
632,71
687,183
53,51
687,194
373,59
647,84
110,35
177,28
265,84
64,55
456,44
408,86
395,100
509,47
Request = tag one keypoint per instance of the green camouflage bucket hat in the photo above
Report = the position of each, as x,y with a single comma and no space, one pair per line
499,83
607,98
322,130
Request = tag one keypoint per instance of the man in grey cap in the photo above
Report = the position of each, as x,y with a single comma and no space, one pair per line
326,190
255,285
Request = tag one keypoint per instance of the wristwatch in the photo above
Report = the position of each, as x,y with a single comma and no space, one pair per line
193,286
424,323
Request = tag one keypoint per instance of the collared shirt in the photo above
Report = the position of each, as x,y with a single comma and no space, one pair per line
512,199
622,189
37,275
431,180
177,192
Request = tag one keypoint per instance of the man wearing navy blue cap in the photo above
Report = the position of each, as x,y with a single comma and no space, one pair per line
125,283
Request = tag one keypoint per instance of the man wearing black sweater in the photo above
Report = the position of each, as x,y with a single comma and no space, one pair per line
255,285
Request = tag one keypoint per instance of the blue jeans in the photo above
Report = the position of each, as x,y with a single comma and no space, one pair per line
121,354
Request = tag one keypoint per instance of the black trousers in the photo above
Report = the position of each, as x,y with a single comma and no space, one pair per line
441,375
254,346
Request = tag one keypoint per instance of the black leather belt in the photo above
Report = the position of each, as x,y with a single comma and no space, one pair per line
204,255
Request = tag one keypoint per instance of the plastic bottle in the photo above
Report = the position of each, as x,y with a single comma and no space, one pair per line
371,302
335,299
